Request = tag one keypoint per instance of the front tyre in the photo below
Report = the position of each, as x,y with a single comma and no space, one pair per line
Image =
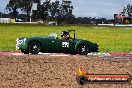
83,49
34,47
25,51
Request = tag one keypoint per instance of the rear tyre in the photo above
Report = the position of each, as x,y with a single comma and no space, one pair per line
81,80
83,49
34,47
73,53
25,51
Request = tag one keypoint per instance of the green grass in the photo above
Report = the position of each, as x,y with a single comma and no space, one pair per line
109,39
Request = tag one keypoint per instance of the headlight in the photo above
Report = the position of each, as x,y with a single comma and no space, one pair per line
20,42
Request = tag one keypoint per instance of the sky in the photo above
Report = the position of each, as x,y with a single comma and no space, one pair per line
90,8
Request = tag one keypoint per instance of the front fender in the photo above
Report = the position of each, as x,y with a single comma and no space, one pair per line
29,40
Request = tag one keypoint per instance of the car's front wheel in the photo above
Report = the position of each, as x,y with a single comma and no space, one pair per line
25,51
83,49
34,47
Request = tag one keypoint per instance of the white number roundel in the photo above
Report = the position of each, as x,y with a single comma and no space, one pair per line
65,44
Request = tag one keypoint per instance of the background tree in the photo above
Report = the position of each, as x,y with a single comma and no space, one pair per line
24,5
61,12
13,6
55,10
43,10
66,10
127,10
1,14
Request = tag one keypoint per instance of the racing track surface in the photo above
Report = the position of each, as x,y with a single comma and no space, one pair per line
113,55
44,71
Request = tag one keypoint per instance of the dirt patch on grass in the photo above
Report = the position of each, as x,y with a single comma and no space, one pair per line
40,71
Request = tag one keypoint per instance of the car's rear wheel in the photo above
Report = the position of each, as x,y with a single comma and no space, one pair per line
25,51
83,49
73,53
34,47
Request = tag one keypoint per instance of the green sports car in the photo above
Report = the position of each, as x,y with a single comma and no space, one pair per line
52,44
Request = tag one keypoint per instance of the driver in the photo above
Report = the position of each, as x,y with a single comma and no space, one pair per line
65,35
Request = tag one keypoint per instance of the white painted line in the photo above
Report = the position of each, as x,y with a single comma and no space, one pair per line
44,53
93,54
50,54
59,55
17,54
98,54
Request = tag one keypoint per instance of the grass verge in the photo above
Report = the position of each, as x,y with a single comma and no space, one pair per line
109,39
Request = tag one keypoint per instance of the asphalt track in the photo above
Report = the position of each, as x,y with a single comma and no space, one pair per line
58,70
111,55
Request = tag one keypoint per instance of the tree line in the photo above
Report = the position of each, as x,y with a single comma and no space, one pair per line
57,11
62,12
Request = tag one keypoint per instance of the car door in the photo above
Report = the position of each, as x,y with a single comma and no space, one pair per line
66,46
50,45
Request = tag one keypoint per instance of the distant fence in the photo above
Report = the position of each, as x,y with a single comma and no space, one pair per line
105,24
123,25
117,25
5,20
9,20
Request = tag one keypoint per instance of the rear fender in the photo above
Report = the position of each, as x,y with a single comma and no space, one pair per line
82,42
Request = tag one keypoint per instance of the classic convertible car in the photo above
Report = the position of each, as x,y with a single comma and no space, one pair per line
52,44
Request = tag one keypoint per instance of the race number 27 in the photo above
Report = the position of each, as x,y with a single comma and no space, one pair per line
65,44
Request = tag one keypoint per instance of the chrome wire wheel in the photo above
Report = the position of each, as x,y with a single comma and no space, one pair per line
34,47
83,49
